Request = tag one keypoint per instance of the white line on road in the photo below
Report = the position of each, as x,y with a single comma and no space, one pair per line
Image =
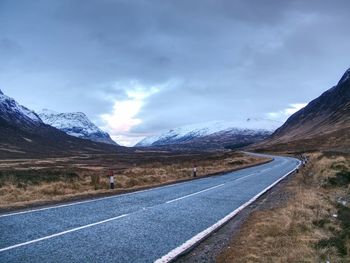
173,254
62,233
264,170
244,177
196,193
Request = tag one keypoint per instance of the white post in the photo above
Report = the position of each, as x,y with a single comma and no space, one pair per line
111,180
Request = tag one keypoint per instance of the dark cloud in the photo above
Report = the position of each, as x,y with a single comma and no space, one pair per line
212,59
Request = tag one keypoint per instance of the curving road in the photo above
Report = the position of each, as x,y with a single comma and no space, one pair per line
144,226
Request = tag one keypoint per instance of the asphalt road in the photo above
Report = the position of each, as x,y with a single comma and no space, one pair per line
136,227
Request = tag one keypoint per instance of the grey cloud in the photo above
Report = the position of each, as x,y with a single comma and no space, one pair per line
230,58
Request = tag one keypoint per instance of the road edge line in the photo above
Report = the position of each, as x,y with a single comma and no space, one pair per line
175,253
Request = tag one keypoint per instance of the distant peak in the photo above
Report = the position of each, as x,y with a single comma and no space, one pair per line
80,113
263,120
77,114
1,93
47,111
345,77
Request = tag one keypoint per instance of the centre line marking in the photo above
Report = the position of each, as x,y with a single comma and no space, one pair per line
196,193
240,178
62,233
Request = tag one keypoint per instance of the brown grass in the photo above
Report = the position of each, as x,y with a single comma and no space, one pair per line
294,232
24,182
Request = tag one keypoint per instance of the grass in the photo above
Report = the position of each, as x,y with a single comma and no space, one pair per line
341,179
24,182
32,176
341,238
313,225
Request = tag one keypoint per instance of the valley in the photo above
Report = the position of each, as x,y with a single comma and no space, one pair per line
43,165
25,182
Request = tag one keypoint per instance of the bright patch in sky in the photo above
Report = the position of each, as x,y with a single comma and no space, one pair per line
119,122
282,115
123,117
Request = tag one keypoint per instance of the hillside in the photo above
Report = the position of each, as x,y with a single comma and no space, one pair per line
323,123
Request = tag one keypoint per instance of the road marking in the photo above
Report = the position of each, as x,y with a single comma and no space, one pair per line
264,170
244,177
173,254
62,233
196,193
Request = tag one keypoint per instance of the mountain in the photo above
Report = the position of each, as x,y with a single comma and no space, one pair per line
213,135
11,111
24,134
323,124
75,124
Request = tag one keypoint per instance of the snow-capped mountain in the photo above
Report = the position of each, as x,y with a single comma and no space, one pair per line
11,111
24,134
76,124
248,131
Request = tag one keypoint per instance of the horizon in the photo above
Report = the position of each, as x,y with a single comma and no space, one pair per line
139,69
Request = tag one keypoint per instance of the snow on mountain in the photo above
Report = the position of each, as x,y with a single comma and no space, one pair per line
75,124
12,111
249,127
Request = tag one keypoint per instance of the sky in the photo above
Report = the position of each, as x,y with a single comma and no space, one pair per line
140,67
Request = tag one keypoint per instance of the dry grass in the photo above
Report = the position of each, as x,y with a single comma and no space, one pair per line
302,230
24,182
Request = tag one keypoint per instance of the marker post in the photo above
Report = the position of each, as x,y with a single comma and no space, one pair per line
111,179
194,171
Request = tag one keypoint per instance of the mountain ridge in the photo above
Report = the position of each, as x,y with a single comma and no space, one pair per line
76,124
24,134
210,133
320,124
11,110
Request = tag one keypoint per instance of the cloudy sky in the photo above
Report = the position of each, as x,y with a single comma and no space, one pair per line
138,67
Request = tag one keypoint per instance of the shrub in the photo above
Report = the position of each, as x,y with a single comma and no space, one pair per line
95,181
341,179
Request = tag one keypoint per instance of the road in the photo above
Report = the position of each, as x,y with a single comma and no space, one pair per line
144,226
